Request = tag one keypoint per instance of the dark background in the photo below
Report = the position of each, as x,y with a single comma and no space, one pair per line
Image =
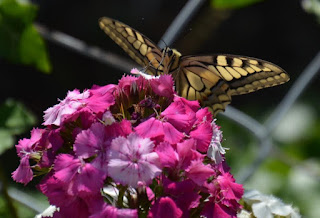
277,31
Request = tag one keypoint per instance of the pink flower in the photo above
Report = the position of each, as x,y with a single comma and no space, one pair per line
198,172
230,189
179,159
73,101
101,98
113,212
163,86
184,193
153,128
70,203
82,179
132,160
169,158
127,84
81,119
180,115
27,146
165,207
203,135
23,173
203,115
95,141
28,149
187,153
216,210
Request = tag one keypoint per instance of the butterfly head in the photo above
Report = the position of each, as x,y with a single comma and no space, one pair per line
171,53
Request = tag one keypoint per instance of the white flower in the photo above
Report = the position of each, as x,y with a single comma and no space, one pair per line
146,76
264,206
215,150
48,212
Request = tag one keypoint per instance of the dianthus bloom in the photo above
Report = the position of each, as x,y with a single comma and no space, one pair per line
135,149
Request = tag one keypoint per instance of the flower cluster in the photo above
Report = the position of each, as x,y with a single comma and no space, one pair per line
135,149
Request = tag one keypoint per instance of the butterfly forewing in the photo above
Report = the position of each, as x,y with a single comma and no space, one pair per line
211,79
139,47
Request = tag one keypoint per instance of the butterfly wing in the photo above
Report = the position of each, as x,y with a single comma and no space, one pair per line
139,47
214,79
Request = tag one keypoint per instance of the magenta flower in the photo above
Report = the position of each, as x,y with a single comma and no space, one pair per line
77,176
23,173
199,172
179,159
163,86
165,207
231,189
216,210
113,212
101,98
184,193
180,115
132,160
93,142
157,129
26,149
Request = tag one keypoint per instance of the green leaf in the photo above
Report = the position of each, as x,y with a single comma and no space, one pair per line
18,35
6,140
233,4
15,117
33,51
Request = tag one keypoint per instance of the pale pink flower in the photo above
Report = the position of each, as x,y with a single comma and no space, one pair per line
132,160
73,101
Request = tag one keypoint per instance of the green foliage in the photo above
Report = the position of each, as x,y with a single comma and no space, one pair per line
14,119
22,211
19,41
232,4
3,208
312,7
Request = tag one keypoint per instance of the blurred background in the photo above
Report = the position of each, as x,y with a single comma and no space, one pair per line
37,70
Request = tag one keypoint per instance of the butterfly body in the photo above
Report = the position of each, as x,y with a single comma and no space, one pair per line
211,79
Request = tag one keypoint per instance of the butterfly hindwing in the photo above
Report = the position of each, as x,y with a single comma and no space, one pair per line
214,79
139,47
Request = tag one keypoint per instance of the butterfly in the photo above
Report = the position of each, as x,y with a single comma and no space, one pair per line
211,79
